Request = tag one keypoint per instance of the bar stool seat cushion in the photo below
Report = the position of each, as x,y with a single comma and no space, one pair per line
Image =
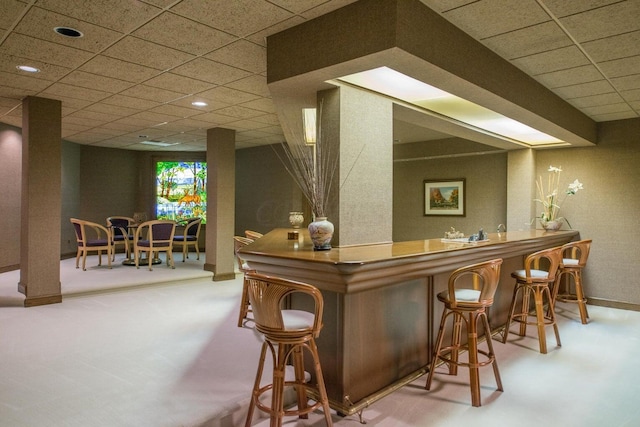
536,274
461,295
297,319
570,261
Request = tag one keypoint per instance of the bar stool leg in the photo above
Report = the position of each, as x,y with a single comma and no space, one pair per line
474,374
542,338
256,386
582,301
492,354
322,390
436,354
298,365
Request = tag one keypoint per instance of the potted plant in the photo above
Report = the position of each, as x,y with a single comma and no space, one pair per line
549,198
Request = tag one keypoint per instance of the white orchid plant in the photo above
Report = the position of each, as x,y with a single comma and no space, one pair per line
549,196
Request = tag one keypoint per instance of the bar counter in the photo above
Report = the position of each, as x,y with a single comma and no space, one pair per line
381,315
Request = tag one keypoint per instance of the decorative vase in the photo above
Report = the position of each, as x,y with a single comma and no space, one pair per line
553,225
321,232
296,219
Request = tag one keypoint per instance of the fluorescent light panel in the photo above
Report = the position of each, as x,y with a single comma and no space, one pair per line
159,143
392,83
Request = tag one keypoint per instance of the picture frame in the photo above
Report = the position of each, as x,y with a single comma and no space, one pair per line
445,197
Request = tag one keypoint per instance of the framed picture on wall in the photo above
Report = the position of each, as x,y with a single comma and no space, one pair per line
445,197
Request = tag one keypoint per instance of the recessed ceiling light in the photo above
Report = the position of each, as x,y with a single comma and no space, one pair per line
68,32
199,103
28,69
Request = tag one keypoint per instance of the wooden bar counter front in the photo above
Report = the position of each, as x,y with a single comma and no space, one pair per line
380,307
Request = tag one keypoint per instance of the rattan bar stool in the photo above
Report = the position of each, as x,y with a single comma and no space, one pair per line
535,281
287,334
469,295
574,259
245,305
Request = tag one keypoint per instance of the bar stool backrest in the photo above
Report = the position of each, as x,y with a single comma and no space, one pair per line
267,295
575,254
475,285
545,261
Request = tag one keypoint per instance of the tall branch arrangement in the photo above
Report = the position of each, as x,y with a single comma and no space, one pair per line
312,167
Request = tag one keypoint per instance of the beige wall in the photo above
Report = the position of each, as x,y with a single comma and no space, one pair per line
605,211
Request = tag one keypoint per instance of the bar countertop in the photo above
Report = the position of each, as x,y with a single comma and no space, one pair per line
347,269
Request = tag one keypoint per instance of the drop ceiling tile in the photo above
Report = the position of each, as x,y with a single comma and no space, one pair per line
614,116
195,124
621,67
554,60
121,15
239,17
11,10
488,18
614,47
152,117
631,95
8,63
151,93
123,127
617,18
210,71
183,34
528,41
207,118
242,54
585,89
584,74
262,104
178,83
608,109
268,119
562,8
260,37
29,48
245,125
298,6
145,53
40,23
131,102
101,107
139,123
627,82
116,68
229,95
256,84
93,81
175,110
71,128
26,82
14,93
61,89
94,116
239,112
82,121
596,100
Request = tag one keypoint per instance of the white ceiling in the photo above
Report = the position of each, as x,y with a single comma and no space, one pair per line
140,64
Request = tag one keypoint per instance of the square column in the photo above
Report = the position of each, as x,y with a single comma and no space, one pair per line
41,201
521,189
358,125
221,199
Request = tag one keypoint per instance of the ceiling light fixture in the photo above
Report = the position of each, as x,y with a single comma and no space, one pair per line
199,103
309,125
28,69
68,32
392,83
159,143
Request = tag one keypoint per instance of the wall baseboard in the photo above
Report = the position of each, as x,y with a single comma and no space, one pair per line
614,304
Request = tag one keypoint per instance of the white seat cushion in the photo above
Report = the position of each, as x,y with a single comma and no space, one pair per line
297,319
537,274
469,295
569,261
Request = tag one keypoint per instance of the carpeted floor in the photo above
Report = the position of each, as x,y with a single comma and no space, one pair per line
159,348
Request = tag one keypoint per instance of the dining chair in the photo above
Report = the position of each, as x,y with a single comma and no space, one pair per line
121,233
189,237
153,237
92,237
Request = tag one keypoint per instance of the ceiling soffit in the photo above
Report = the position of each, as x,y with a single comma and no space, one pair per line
411,38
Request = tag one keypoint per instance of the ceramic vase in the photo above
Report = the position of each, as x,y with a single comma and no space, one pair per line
553,225
321,232
296,219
